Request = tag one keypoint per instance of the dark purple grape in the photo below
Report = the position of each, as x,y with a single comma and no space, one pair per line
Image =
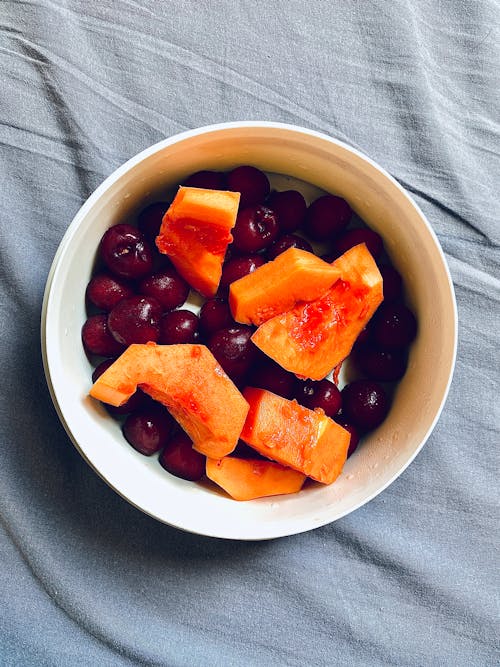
214,315
380,364
97,338
167,287
251,183
255,229
178,326
329,257
394,326
180,459
287,241
327,216
234,350
125,252
354,237
290,208
355,437
393,283
365,404
322,394
148,430
210,180
149,220
135,320
237,267
271,376
105,291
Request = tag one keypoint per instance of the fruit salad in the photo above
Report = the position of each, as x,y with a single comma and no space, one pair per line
245,389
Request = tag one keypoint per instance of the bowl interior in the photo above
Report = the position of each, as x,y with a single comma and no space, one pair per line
413,248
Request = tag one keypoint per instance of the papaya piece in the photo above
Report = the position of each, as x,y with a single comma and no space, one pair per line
195,233
188,380
302,439
246,479
295,275
315,336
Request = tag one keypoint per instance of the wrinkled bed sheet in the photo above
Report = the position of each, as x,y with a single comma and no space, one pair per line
412,577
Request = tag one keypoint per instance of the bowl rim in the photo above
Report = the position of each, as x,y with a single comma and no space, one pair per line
148,152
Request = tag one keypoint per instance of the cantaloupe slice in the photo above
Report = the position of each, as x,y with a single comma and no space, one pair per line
314,336
295,275
188,380
195,233
305,440
246,479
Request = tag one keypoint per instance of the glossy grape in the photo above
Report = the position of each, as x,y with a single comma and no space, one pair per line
290,208
322,394
287,241
251,183
167,287
394,326
255,229
180,459
365,404
97,338
234,350
105,291
353,431
148,430
393,283
327,216
214,315
135,320
126,252
380,364
237,267
353,237
178,326
209,180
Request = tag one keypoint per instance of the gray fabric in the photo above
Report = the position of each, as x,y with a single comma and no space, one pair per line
409,579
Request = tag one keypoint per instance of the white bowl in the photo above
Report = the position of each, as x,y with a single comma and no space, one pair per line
413,247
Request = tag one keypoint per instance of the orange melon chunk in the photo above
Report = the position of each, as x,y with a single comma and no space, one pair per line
295,275
195,233
246,479
315,336
305,440
188,380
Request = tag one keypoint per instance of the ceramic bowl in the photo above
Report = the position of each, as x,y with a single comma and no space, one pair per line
325,164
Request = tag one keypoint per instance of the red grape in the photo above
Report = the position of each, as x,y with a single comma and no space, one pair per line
148,430
326,217
215,315
97,338
234,350
125,252
167,287
290,208
255,229
135,320
273,377
105,291
149,220
353,237
285,242
394,326
380,364
178,326
209,180
393,283
355,437
251,183
237,267
322,394
365,404
180,459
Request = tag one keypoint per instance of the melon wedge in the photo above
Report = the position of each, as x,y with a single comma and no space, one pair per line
295,275
302,439
195,233
315,336
188,380
246,479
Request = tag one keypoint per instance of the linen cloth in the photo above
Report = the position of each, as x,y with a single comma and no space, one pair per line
412,577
